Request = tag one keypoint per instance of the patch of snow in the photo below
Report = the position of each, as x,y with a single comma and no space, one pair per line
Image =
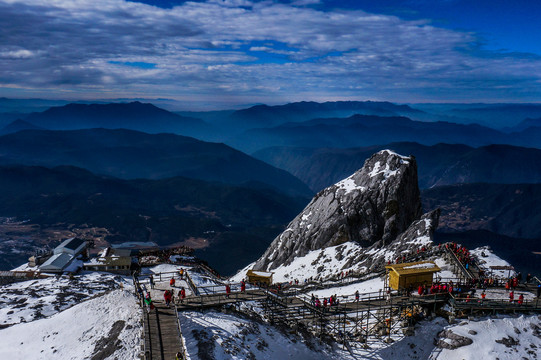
488,258
317,264
348,185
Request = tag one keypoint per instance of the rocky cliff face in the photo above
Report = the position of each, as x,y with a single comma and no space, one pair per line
371,208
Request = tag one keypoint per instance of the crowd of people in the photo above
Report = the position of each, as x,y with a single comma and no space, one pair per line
326,303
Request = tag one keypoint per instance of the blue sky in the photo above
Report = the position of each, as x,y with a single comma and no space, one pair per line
228,53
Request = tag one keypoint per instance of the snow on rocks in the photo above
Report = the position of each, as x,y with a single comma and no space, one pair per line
318,264
39,298
495,338
375,204
216,335
107,326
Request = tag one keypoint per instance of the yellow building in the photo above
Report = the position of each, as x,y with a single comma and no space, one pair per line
263,277
402,276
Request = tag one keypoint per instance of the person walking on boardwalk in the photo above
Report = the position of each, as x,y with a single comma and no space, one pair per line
242,286
148,302
151,281
227,290
182,294
167,297
357,295
511,296
172,282
181,273
520,299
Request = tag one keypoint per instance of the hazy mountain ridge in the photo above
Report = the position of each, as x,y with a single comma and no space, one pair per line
269,116
508,209
363,130
440,164
18,125
135,116
130,154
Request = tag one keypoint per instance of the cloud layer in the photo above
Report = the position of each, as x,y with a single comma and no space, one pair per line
240,52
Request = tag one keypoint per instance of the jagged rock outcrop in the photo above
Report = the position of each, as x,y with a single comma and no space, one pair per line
374,205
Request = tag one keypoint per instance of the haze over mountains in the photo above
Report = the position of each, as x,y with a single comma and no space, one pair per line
298,149
440,164
131,154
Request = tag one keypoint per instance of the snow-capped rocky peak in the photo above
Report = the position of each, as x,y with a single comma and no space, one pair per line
376,203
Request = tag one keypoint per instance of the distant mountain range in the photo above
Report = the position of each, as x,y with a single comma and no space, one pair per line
18,125
497,116
134,116
166,211
341,124
130,154
364,130
508,209
263,116
314,144
441,164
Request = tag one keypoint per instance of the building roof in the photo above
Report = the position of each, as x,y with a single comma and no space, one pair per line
121,252
72,243
419,267
57,261
259,273
110,261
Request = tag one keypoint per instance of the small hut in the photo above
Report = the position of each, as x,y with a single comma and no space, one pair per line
403,276
261,277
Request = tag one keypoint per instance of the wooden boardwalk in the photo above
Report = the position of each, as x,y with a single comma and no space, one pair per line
163,334
219,299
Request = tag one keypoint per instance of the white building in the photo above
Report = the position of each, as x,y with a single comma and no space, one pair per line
63,255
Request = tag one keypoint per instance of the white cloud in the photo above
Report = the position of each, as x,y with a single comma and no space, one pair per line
17,54
206,48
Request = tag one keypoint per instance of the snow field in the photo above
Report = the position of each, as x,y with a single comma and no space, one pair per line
109,323
39,298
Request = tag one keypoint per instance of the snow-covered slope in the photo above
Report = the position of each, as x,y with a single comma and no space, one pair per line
36,299
106,327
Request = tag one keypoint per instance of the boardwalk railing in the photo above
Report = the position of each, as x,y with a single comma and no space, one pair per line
183,348
494,304
458,264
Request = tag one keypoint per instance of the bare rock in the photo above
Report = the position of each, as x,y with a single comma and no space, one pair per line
375,205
